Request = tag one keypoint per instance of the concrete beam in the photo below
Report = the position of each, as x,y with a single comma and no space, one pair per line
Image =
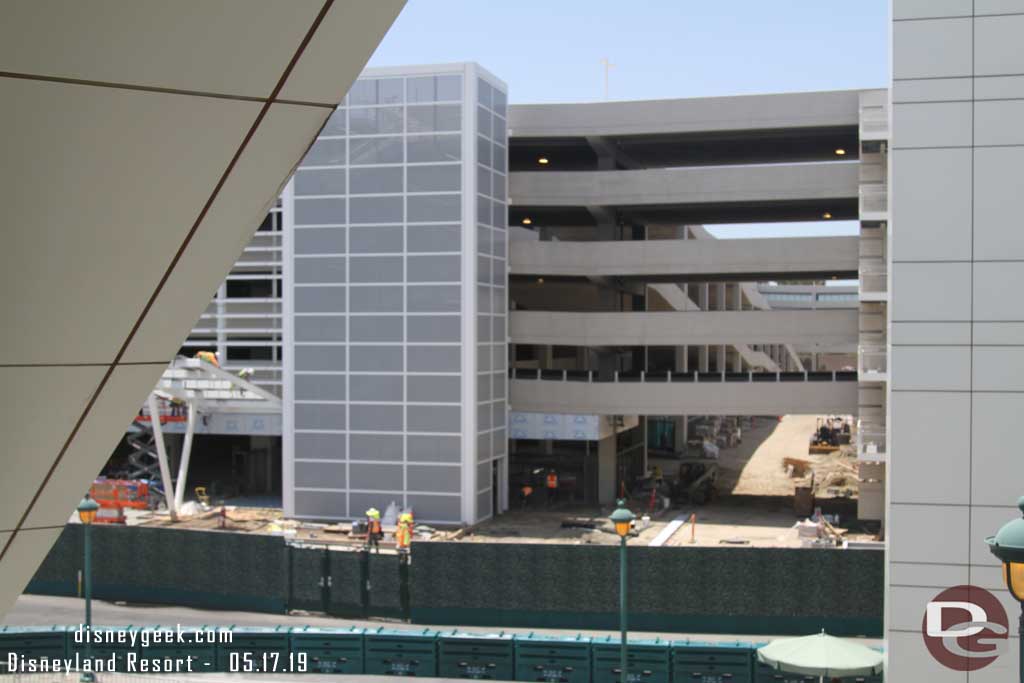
678,260
609,154
824,329
695,115
685,186
713,398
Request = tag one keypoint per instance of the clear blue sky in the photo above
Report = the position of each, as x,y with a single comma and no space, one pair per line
551,51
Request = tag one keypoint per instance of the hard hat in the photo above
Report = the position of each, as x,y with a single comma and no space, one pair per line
405,517
373,512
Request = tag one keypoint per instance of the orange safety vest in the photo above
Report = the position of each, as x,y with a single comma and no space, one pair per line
403,536
374,526
208,356
552,481
527,491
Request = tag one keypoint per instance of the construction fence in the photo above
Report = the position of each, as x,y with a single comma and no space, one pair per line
680,590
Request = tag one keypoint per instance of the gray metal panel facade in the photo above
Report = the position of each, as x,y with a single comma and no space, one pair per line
397,226
958,356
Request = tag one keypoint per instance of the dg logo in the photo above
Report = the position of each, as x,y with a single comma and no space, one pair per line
965,628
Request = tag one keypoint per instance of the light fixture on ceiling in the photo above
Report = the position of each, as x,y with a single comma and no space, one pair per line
826,215
540,281
543,161
527,221
840,152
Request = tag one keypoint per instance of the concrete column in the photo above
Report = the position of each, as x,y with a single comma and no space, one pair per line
606,470
643,438
222,336
511,347
545,357
722,365
702,297
681,360
607,364
681,433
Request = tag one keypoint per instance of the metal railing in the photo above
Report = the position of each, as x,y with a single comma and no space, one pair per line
871,443
874,198
874,121
679,377
872,359
874,277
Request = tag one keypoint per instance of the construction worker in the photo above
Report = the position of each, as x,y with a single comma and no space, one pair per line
373,529
552,485
525,491
178,408
208,357
403,534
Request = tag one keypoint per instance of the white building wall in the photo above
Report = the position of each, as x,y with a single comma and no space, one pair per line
958,352
396,294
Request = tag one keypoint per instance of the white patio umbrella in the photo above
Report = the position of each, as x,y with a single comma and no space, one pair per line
821,655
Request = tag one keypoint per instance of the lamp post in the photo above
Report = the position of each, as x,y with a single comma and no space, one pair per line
622,518
1008,546
87,515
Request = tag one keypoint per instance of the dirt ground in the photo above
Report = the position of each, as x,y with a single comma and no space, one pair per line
754,506
755,467
735,521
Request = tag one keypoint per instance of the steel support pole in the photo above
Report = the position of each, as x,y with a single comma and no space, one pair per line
186,454
88,580
88,677
622,607
161,451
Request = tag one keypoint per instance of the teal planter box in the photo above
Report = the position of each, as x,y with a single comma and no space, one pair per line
647,661
554,659
329,650
400,653
700,662
489,656
199,648
253,649
32,643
